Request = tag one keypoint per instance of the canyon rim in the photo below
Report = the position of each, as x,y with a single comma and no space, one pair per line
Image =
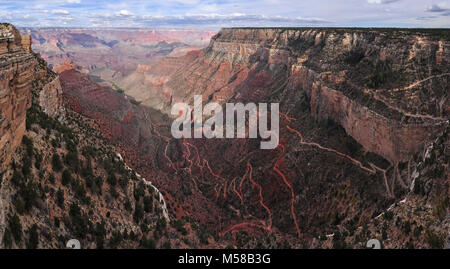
238,137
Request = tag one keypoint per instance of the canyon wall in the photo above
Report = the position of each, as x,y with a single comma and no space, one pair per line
393,139
16,71
29,94
387,88
21,73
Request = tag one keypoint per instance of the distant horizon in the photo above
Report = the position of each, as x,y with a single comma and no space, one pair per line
217,14
226,27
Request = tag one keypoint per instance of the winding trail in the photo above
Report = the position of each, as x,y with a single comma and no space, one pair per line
377,96
424,80
372,170
171,164
245,226
261,198
291,190
353,160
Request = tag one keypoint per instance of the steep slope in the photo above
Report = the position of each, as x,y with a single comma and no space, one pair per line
17,66
420,219
60,179
142,136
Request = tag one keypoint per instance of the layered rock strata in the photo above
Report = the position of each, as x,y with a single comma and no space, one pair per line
387,88
21,73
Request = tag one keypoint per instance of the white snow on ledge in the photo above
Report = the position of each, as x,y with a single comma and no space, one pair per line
161,200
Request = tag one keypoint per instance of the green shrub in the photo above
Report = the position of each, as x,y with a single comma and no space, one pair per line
434,240
56,163
33,239
60,198
112,180
138,213
16,228
148,204
66,178
26,165
28,146
7,239
388,215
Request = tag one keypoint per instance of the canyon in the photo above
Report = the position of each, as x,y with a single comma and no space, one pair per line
112,55
363,151
356,103
60,179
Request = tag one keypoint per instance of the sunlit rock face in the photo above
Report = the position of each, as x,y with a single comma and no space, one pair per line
21,73
16,73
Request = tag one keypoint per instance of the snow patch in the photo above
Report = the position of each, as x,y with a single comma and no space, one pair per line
161,200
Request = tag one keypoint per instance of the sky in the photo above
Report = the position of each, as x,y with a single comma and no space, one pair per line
214,14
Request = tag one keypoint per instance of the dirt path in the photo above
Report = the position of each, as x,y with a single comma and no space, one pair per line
385,101
424,80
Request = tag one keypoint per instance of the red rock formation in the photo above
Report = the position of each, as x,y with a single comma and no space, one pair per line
64,65
26,42
16,71
120,50
349,76
19,68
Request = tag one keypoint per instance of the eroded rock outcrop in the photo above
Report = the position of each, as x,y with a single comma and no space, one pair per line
16,71
21,73
50,98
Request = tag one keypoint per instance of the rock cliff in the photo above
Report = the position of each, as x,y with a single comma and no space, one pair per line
387,88
16,71
22,73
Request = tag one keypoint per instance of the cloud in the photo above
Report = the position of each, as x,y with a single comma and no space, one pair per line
228,13
61,12
426,18
39,10
124,13
236,19
200,20
436,8
381,1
